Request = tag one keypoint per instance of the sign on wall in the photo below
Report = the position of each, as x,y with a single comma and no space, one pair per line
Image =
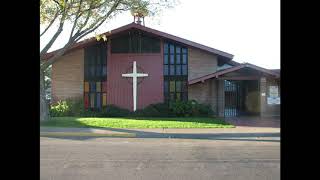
273,100
273,91
273,95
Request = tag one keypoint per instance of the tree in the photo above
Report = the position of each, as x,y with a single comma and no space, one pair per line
84,16
47,83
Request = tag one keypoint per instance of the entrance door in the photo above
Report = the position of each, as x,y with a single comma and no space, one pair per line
232,90
241,98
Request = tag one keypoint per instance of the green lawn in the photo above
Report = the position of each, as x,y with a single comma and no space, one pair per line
190,122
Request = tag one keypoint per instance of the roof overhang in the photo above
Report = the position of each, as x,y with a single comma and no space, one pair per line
233,69
224,55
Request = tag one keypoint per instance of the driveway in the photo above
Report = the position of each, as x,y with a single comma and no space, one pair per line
157,159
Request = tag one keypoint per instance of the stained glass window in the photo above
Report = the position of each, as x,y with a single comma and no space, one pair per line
184,50
166,48
92,86
176,73
165,70
184,70
178,59
172,86
178,49
86,100
92,98
95,62
172,96
171,48
104,99
104,86
178,96
172,59
171,69
178,70
86,86
98,100
178,86
166,86
98,86
166,59
95,75
184,58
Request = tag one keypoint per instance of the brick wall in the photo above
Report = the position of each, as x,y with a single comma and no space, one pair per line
200,63
272,109
263,96
266,109
67,76
205,93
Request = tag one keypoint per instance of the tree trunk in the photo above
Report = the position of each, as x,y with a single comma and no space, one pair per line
44,110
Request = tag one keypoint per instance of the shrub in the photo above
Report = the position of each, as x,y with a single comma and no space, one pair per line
61,108
153,110
75,107
181,108
163,109
68,107
113,111
190,108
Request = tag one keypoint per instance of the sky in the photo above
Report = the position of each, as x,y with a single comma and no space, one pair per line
248,29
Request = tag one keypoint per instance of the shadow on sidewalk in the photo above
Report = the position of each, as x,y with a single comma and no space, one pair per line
272,122
208,136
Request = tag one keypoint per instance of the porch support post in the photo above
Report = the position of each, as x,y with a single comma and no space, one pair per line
221,98
263,96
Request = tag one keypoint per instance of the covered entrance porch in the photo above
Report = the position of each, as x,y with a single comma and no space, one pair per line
244,90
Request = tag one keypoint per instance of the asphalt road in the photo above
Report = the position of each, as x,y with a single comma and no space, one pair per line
154,159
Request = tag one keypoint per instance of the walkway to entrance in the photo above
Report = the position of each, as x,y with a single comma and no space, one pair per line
273,122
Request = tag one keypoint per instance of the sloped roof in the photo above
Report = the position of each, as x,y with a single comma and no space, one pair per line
276,70
92,40
232,69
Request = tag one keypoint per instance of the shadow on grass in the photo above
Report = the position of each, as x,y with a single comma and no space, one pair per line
74,121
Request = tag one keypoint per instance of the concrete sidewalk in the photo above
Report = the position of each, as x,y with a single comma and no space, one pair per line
237,132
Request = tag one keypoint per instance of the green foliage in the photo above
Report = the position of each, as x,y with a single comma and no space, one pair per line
69,107
113,111
204,110
153,110
61,108
88,14
75,107
180,108
190,108
47,82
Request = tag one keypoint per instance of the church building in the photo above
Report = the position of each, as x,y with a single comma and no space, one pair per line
137,66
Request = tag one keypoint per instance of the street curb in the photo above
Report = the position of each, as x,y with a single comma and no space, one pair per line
84,134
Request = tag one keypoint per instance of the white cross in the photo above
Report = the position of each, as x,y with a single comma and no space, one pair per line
134,76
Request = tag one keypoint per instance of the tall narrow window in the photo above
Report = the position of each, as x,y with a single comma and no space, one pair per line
95,76
175,71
